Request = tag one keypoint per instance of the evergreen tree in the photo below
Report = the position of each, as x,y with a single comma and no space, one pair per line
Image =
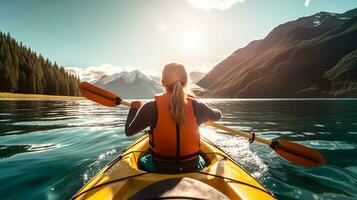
23,71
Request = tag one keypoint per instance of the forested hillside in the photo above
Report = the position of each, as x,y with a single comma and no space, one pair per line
313,56
23,71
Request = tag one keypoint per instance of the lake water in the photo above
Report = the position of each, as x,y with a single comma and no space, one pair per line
49,149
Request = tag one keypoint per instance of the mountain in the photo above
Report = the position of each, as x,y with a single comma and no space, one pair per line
296,59
24,71
156,79
196,76
343,76
134,84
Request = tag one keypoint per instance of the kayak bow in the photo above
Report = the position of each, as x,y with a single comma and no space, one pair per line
222,178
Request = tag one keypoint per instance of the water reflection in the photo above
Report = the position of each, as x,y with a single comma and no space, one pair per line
76,139
10,150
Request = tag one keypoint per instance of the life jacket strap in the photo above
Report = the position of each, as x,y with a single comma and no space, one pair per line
151,137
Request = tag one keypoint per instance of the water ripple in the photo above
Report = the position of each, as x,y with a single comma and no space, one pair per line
50,148
7,151
238,148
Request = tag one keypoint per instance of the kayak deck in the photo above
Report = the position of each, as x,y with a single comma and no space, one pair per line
122,178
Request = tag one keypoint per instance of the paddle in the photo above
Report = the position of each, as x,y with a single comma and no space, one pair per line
293,152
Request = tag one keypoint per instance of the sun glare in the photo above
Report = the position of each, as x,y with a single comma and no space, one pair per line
191,40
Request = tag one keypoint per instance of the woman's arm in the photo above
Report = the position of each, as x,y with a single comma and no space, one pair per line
139,119
205,113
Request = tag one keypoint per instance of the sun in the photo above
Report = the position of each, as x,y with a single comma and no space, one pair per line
191,40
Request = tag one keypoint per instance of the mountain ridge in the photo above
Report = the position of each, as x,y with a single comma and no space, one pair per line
300,48
133,84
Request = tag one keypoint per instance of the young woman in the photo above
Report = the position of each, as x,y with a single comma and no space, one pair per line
174,119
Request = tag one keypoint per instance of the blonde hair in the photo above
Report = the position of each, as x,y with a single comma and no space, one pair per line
174,79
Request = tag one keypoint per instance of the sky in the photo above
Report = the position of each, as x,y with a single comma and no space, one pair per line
95,37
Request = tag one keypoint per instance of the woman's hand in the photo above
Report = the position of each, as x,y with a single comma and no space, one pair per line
135,105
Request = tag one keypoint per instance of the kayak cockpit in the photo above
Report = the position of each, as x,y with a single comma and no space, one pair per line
222,177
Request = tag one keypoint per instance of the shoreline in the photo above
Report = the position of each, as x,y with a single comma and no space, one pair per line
5,96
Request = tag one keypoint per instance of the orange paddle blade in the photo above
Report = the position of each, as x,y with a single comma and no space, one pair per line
299,154
99,95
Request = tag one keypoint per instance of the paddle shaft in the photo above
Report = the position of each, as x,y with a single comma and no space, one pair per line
230,130
125,103
238,132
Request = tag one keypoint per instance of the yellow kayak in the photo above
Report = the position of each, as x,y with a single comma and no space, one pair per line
222,178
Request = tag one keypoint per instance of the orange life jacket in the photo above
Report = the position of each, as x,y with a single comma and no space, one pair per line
168,141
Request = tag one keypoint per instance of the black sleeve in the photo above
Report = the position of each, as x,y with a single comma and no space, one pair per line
205,113
138,120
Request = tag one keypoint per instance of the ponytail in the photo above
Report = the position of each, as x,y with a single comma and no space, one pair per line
177,103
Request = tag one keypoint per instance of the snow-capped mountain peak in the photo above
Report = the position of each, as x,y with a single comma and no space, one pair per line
133,84
134,75
105,79
128,77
